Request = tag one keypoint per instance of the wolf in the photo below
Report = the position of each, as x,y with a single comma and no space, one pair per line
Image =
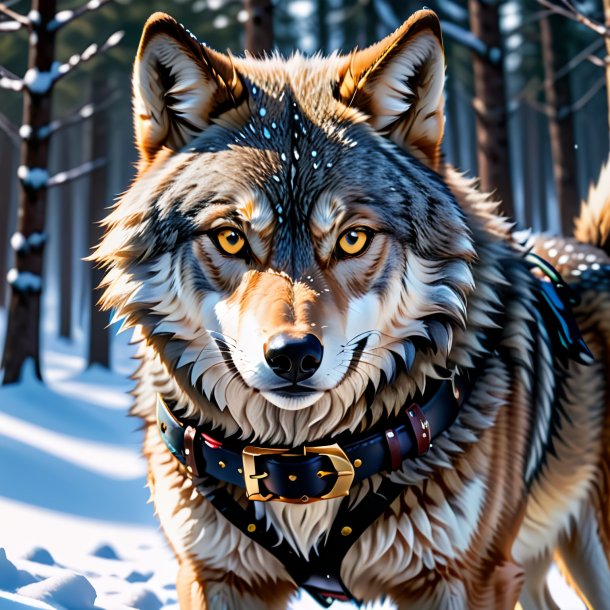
315,290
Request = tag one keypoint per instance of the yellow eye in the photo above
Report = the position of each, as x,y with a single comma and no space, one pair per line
230,241
353,242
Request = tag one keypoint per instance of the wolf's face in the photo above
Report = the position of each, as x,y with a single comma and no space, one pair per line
288,245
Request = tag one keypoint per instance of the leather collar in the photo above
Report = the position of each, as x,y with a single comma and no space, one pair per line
320,471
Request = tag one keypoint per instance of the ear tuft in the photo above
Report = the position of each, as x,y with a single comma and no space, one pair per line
399,82
178,86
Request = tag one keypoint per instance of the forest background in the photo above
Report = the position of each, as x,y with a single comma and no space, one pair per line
526,107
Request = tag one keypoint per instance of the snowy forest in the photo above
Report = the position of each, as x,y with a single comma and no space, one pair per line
527,111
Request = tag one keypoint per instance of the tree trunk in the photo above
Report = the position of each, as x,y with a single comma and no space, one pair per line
607,20
323,27
99,334
23,326
490,104
561,122
66,206
259,27
6,179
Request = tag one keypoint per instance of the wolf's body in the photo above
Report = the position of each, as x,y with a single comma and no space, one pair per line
290,153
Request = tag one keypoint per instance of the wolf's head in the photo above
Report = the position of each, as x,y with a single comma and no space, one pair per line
289,250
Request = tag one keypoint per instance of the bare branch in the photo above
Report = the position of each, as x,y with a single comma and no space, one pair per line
530,92
9,129
566,110
571,12
75,173
10,81
88,54
63,18
539,107
586,98
78,115
21,19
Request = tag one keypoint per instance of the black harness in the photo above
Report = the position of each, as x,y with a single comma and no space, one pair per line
327,470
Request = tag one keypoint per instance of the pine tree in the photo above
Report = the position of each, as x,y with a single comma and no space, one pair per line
22,341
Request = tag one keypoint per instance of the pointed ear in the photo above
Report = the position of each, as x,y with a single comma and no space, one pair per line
178,86
398,83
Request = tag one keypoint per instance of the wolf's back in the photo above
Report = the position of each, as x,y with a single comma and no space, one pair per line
593,224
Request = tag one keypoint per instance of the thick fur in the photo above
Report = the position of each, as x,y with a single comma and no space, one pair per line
292,153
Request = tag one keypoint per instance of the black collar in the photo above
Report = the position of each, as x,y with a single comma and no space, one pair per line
318,471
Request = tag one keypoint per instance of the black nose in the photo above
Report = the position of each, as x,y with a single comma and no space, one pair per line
292,357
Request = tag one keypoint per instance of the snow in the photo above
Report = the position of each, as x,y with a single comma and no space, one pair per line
60,19
14,84
76,529
24,281
33,178
25,132
40,82
21,243
34,17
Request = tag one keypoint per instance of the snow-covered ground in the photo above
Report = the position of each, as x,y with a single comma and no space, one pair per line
75,526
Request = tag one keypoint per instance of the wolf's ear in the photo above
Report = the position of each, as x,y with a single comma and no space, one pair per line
178,85
398,83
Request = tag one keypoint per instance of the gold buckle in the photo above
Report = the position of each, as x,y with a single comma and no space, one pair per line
343,469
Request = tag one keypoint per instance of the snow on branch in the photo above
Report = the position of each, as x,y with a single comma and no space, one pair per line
601,62
24,281
33,178
10,26
40,83
72,118
9,129
77,172
10,81
63,18
88,54
22,244
22,20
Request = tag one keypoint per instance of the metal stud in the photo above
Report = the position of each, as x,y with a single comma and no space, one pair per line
240,470
357,463
292,477
187,452
251,527
221,464
346,531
